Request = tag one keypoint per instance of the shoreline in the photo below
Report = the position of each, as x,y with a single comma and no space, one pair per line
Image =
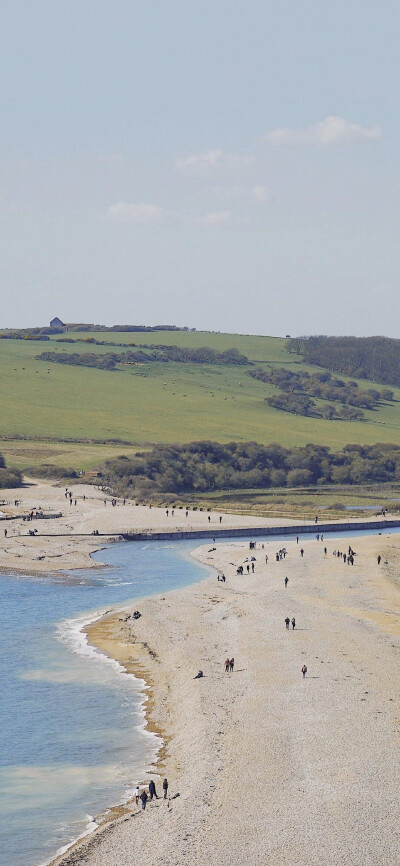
99,635
68,541
131,639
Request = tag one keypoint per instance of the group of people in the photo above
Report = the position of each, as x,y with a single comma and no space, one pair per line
143,796
347,557
288,621
229,665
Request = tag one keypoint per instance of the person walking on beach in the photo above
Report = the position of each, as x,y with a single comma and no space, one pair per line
143,798
379,559
231,664
266,559
304,670
152,790
227,665
286,581
165,788
287,622
302,552
137,794
293,622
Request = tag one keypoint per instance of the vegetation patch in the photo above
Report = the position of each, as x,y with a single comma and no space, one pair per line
373,358
300,387
160,354
210,466
9,477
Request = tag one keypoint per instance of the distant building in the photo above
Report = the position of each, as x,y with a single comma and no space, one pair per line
57,323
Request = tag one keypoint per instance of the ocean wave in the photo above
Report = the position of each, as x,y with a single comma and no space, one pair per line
90,826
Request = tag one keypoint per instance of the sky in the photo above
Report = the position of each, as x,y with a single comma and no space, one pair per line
227,166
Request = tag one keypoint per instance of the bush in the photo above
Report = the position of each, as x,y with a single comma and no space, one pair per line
10,478
50,470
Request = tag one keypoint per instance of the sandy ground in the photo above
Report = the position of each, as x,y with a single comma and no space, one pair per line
270,768
61,544
66,542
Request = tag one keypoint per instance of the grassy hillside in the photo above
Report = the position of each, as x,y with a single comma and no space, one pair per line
157,402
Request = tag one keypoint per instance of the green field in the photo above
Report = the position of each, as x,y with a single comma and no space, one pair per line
168,402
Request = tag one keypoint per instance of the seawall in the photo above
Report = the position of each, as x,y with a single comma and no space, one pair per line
265,531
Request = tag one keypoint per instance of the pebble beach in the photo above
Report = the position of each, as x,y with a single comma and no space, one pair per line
263,765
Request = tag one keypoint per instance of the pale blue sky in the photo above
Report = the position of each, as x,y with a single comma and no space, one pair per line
225,165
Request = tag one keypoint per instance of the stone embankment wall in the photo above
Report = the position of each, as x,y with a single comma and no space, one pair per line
265,531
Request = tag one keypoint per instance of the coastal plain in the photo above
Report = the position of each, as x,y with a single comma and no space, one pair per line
269,767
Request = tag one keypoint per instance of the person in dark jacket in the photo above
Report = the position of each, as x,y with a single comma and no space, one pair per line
143,798
165,788
152,790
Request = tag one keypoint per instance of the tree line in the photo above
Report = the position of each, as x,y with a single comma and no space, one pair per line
210,466
373,358
300,387
162,354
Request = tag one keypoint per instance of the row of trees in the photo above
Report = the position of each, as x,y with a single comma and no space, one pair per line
299,387
301,404
210,466
373,358
324,386
164,354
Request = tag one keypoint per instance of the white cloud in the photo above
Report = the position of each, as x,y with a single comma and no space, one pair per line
199,164
214,218
128,212
331,131
260,193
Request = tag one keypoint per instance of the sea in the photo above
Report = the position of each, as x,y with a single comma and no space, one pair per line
73,739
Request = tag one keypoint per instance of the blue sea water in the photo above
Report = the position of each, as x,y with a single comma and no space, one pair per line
72,735
72,738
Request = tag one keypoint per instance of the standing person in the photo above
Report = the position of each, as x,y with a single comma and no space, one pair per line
304,670
227,665
220,518
231,664
325,551
152,790
379,559
287,622
297,539
286,581
143,798
266,559
301,552
252,567
137,794
165,788
293,622
5,533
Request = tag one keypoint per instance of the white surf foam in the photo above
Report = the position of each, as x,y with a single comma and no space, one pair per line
90,826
